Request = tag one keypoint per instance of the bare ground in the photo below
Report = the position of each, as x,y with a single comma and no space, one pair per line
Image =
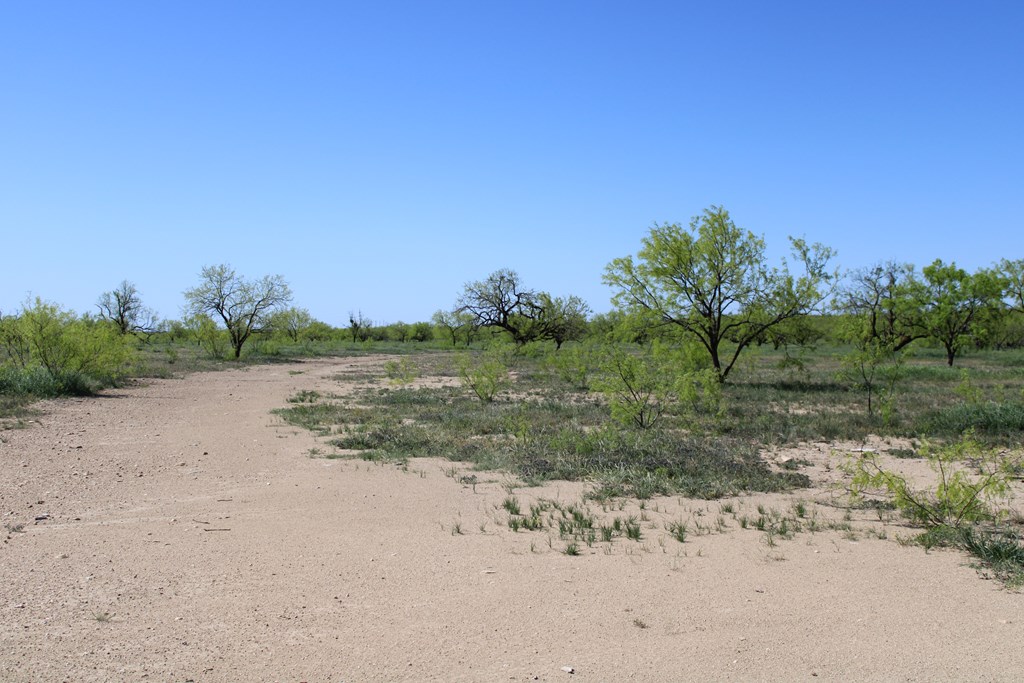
180,532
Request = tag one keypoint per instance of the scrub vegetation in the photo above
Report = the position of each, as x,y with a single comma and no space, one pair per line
710,355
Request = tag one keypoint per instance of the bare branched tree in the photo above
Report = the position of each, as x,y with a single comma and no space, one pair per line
501,301
123,307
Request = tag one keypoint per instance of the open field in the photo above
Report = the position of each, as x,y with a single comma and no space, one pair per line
180,531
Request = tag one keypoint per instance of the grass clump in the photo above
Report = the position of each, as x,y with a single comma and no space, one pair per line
999,551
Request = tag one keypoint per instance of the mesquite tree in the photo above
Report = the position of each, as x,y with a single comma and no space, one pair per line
244,306
712,282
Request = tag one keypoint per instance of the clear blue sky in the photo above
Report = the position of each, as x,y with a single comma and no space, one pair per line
379,155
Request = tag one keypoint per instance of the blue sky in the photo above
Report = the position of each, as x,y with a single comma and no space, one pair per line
379,155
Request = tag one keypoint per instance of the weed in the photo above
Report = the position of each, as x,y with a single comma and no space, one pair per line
511,505
631,527
572,549
678,531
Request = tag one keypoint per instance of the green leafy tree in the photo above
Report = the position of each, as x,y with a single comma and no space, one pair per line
14,342
959,305
640,385
876,369
887,302
563,320
712,281
292,321
882,312
1012,273
1011,328
245,306
420,332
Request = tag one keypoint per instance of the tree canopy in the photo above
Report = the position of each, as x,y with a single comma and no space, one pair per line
712,282
245,306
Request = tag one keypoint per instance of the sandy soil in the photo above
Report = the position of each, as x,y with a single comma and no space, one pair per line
180,532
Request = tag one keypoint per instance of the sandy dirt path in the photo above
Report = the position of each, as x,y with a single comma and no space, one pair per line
185,534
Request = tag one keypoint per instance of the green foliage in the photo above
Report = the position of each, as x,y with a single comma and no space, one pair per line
641,386
574,364
38,382
1001,552
958,496
204,333
402,371
245,306
47,351
562,320
960,307
454,325
541,439
883,307
990,418
485,374
638,386
292,322
876,369
712,282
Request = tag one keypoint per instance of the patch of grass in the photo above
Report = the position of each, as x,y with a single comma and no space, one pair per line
511,505
541,439
999,551
989,418
305,396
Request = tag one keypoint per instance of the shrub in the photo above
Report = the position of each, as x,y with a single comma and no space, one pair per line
957,498
486,374
49,351
402,371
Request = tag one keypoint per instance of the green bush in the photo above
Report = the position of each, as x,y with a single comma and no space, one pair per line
486,374
50,352
958,497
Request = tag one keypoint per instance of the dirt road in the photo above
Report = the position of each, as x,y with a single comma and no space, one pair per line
179,531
